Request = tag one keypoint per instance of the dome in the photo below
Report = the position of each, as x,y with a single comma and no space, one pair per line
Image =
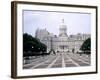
62,25
62,29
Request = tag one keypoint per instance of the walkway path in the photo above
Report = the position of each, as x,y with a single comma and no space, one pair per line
58,60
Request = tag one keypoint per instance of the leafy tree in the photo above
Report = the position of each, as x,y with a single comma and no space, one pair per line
86,46
32,45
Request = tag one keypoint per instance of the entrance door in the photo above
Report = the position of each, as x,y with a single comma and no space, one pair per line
64,48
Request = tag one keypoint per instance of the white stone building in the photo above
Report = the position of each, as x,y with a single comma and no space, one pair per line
63,42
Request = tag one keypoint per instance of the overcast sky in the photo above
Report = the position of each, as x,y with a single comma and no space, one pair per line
75,22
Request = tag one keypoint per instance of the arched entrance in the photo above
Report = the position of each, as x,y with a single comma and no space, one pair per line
64,48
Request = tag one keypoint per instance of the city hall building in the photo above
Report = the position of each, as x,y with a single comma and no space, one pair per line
62,42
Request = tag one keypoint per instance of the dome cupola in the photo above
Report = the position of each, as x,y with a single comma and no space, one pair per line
62,29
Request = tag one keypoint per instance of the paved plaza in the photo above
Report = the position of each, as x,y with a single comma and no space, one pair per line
57,61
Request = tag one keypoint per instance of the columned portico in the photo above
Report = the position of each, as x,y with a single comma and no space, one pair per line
64,48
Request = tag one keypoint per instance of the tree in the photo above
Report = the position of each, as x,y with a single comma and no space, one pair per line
29,43
86,46
32,45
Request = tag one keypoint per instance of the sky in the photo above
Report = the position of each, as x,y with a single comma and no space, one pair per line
75,22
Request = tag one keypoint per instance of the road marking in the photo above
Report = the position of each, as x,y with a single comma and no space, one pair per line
73,61
80,59
83,61
40,63
84,58
63,61
53,60
34,60
50,65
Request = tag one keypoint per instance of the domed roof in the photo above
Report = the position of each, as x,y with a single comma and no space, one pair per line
62,25
62,29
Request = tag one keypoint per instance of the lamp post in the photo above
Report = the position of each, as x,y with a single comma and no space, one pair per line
32,47
51,43
52,50
63,48
39,49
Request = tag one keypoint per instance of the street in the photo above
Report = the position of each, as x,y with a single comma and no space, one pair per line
57,61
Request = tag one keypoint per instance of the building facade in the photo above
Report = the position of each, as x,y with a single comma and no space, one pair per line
63,42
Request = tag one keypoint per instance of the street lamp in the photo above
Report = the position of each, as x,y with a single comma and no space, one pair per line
32,47
52,50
